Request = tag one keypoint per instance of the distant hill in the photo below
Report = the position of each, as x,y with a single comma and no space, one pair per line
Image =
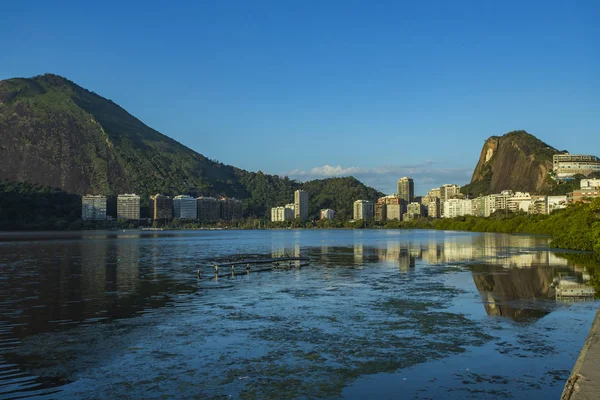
56,133
516,161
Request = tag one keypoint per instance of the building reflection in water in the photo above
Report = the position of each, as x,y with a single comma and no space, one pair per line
85,280
508,274
127,269
404,256
508,271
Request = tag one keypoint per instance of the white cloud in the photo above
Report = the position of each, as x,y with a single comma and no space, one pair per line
327,171
427,175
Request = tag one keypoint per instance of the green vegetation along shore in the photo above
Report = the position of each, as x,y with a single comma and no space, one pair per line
26,206
575,228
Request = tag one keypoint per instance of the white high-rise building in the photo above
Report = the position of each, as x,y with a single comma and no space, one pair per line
277,214
128,206
457,208
300,204
327,213
447,192
185,207
363,209
281,214
519,202
93,208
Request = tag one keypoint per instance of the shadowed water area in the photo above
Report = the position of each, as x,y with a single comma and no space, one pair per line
376,314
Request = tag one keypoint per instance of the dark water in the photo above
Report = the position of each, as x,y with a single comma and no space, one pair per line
376,314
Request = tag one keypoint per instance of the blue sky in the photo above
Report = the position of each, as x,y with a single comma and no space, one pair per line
328,88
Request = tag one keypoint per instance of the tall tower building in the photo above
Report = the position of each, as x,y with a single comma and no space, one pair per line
406,189
300,204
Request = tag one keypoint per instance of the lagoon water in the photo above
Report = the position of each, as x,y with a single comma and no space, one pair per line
377,314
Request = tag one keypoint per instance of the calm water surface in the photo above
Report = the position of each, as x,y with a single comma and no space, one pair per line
376,314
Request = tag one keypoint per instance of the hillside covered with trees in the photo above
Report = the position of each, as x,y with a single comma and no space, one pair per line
58,134
29,206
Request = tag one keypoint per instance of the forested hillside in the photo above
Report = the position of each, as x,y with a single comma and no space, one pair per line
58,134
31,206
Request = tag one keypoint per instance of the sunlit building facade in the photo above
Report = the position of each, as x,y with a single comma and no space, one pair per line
128,207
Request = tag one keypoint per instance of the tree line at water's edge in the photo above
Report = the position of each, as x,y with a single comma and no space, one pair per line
30,206
26,206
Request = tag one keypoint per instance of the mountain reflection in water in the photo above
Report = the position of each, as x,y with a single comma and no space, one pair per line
71,297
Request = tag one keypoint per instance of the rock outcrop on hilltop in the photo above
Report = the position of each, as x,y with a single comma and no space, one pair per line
517,161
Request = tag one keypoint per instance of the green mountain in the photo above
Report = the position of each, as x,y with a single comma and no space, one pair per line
56,133
517,161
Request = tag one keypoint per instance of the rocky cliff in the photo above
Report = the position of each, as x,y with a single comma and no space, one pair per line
516,161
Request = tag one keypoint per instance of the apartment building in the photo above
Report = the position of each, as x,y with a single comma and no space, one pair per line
380,211
586,184
128,207
161,207
301,204
363,209
208,209
582,196
281,214
457,208
555,203
389,207
93,208
447,192
433,206
185,207
568,165
519,201
327,213
406,189
230,209
414,210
